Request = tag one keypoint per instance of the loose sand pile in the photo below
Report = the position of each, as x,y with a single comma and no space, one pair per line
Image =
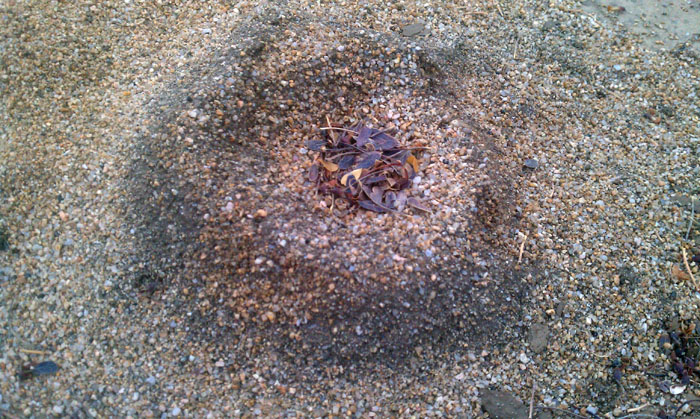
167,250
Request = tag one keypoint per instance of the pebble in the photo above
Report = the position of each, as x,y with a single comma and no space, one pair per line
531,164
413,29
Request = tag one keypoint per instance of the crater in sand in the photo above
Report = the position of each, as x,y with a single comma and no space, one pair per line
231,147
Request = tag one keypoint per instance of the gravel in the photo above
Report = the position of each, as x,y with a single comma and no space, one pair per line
160,242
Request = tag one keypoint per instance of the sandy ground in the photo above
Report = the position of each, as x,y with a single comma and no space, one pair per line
161,242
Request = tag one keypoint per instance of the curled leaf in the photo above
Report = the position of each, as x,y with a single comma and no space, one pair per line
331,167
355,173
413,162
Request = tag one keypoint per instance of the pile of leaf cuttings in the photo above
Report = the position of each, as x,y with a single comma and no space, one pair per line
365,168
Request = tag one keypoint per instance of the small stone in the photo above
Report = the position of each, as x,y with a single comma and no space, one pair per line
151,380
176,411
523,358
192,114
539,334
502,405
531,164
413,29
261,213
58,409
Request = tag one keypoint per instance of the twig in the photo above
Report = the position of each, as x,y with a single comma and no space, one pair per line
337,129
32,351
522,247
639,415
556,409
687,267
498,6
637,409
692,218
532,399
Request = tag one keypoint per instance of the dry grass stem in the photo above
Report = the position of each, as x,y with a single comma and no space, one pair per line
637,409
32,351
522,248
687,267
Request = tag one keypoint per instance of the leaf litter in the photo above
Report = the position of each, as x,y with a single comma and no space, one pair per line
365,167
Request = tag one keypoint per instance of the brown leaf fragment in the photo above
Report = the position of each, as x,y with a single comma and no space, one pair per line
376,179
401,198
375,194
368,160
354,174
369,205
331,167
363,137
390,200
679,273
313,173
415,203
413,162
346,162
315,145
383,141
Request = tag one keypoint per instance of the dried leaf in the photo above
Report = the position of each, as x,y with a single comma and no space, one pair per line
331,167
679,273
315,145
368,159
42,368
383,141
46,367
399,155
375,179
415,203
313,173
390,200
413,162
369,205
363,137
346,162
402,199
376,194
355,173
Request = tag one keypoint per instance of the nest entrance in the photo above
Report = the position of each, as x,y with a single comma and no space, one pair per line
365,168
